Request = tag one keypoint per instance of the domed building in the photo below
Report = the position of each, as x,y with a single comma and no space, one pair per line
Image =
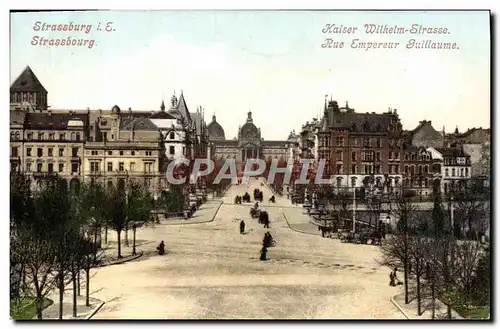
249,143
215,130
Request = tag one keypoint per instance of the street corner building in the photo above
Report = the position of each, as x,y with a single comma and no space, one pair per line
372,151
110,147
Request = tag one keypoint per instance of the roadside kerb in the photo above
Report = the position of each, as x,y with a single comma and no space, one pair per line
187,222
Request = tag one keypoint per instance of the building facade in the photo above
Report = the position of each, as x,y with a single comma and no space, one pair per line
111,147
360,148
248,145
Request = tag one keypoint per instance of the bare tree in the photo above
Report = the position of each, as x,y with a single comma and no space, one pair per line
405,210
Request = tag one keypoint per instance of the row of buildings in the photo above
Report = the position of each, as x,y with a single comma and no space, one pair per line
363,149
117,145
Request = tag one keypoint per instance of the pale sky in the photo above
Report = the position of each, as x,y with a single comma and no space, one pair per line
269,62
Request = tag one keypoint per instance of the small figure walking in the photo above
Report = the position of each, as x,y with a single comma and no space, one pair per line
242,227
161,249
263,253
266,222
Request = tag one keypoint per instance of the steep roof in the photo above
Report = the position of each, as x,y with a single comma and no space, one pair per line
27,82
182,107
139,124
56,121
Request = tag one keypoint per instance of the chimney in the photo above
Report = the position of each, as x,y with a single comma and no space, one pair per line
395,111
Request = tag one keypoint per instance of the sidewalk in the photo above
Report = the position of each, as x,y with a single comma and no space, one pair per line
83,312
205,214
410,310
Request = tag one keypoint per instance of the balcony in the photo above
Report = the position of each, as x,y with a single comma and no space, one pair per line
15,159
75,158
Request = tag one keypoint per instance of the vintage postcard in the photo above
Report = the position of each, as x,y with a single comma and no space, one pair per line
225,164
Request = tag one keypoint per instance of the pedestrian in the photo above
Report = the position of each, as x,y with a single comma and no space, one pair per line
242,227
392,282
266,222
263,253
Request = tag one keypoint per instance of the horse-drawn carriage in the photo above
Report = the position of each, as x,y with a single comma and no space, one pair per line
362,237
246,198
254,212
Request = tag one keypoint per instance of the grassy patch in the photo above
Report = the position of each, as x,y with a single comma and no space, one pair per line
26,309
475,312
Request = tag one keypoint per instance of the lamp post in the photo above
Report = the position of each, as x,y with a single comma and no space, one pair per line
354,210
134,227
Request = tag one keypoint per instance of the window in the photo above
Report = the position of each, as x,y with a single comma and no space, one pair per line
133,152
453,172
378,156
420,169
407,157
172,135
61,152
367,156
94,166
353,156
378,169
149,152
30,136
461,171
340,141
396,169
28,151
110,152
94,152
39,152
77,137
74,168
51,136
397,156
40,136
120,166
339,169
132,166
74,152
406,170
50,151
446,172
366,142
105,138
353,181
13,151
426,169
171,150
110,183
50,167
61,167
121,152
340,156
379,144
38,167
148,167
184,151
28,167
61,137
466,172
110,166
353,169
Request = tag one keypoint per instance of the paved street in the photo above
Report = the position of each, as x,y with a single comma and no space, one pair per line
211,271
